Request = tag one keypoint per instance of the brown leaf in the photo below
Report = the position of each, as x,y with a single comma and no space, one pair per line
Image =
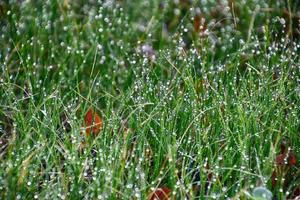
93,123
274,179
283,146
162,193
199,23
281,159
292,159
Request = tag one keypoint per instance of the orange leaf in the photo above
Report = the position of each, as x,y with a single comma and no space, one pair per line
199,23
280,160
93,123
274,179
292,160
196,23
162,193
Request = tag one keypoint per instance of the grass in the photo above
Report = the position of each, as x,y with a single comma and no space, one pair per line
203,107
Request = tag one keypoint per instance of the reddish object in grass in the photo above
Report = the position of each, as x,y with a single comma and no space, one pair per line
292,159
284,163
281,160
92,122
296,193
199,23
286,159
162,193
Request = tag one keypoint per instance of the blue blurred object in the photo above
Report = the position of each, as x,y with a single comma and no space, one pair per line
262,193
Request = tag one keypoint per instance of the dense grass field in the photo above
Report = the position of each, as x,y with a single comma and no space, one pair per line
145,99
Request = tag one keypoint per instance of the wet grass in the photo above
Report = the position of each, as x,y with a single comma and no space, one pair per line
200,99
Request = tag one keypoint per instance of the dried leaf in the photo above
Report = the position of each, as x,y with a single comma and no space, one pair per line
199,23
283,147
284,163
162,193
93,123
292,160
274,179
24,169
281,159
